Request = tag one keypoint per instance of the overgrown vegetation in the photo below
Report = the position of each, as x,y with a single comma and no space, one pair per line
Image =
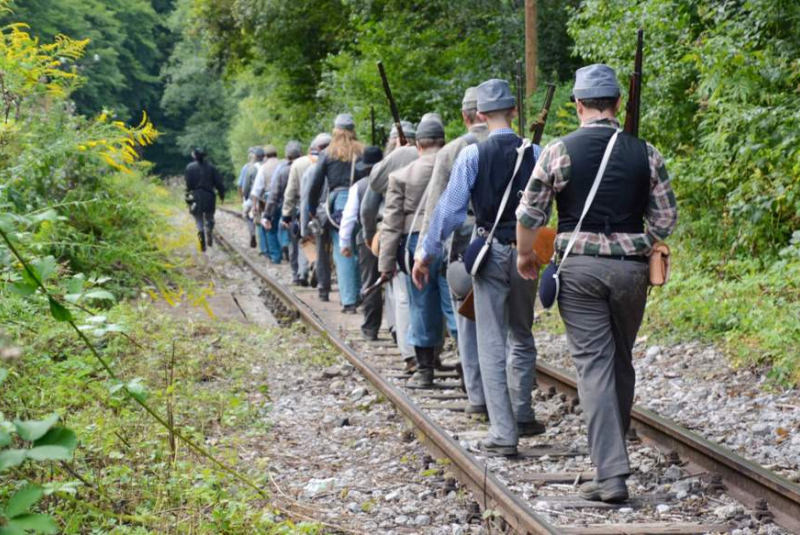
99,428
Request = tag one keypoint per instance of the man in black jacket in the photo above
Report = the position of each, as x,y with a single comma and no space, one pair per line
202,179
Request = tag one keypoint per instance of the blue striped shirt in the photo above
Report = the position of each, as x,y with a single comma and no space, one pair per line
451,210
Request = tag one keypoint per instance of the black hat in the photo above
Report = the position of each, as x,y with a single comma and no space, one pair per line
371,156
200,151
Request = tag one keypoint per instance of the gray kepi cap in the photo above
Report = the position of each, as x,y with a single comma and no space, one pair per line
322,139
495,95
430,127
595,81
470,100
293,149
408,130
344,121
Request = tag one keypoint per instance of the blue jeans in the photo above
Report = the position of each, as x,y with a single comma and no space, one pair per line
277,239
347,271
430,307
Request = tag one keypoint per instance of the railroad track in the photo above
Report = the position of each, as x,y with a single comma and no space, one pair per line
723,475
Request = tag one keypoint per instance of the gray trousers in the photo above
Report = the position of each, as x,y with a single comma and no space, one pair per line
467,333
373,305
602,304
251,226
468,356
297,259
506,350
389,307
402,311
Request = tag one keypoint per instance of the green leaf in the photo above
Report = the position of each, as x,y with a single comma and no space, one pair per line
5,438
24,288
59,436
36,523
59,311
3,375
75,285
23,500
11,530
49,453
47,215
97,293
45,268
35,429
11,458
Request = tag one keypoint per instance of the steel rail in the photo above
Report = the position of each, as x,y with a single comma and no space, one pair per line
745,480
484,485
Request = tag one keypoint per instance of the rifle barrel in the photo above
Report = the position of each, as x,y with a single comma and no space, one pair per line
401,136
635,88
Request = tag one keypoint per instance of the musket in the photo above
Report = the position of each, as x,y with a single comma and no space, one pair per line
372,122
520,100
635,89
538,127
401,137
375,287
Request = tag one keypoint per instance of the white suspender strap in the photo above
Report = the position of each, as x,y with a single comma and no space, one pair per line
590,198
526,143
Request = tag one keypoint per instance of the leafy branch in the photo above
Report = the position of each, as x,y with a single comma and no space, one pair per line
134,389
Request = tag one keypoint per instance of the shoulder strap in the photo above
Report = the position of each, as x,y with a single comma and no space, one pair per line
590,198
353,169
526,143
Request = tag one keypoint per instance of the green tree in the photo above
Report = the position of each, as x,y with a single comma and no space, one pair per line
720,99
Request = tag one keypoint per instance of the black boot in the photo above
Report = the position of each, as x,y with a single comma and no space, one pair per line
253,241
202,237
210,237
424,375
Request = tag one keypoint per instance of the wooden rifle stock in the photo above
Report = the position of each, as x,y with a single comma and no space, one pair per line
538,127
375,287
635,89
401,136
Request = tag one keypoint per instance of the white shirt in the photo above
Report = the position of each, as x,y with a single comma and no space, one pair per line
260,183
349,218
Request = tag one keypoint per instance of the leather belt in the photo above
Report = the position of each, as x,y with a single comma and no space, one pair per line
626,257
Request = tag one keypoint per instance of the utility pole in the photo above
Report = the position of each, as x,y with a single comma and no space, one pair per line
531,45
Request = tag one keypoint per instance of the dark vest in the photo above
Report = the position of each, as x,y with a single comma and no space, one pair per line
497,156
624,191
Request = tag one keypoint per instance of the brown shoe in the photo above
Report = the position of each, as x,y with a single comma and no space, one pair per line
411,366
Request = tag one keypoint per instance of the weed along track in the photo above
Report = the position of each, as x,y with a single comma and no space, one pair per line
681,482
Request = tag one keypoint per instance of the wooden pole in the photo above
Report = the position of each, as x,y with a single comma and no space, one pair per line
531,46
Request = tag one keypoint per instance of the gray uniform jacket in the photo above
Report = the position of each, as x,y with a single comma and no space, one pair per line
378,183
444,166
397,159
291,197
305,207
405,191
277,187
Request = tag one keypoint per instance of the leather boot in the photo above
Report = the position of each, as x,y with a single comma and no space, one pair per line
202,237
210,237
424,375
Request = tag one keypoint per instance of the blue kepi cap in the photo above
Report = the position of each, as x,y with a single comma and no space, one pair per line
495,95
596,81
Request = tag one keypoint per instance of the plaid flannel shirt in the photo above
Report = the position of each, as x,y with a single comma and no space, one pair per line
551,175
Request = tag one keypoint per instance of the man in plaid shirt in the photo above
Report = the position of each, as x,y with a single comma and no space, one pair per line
603,282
